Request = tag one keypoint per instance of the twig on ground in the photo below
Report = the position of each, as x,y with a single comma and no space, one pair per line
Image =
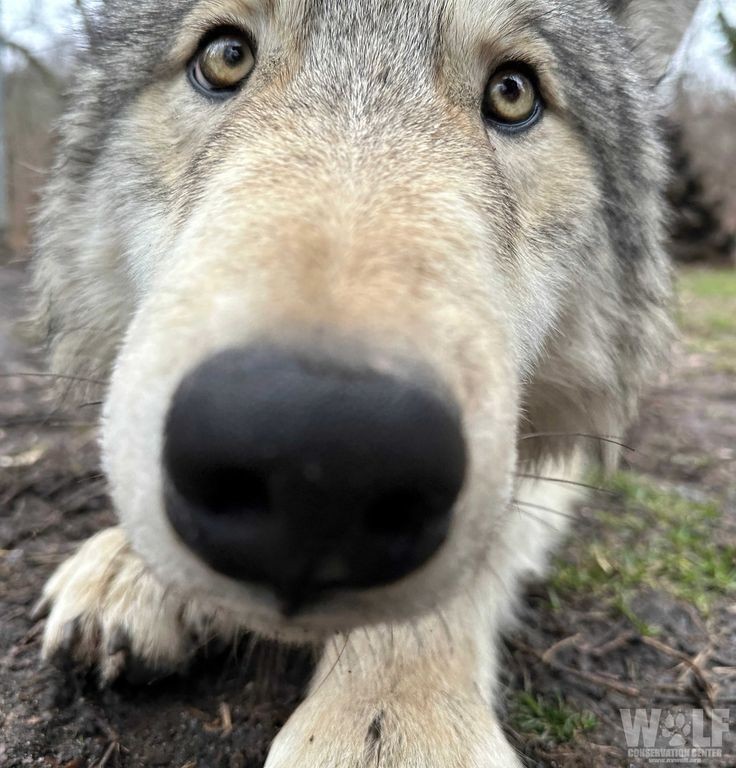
551,652
226,719
589,677
710,689
113,747
613,645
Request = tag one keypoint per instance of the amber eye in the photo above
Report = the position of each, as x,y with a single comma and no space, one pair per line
222,64
512,101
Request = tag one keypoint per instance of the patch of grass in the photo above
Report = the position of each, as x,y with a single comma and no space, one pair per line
621,605
707,313
708,283
551,720
652,538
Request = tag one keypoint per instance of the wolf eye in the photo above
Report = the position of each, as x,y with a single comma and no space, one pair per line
512,102
222,64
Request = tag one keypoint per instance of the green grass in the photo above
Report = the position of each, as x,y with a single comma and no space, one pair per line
707,313
708,283
652,538
551,720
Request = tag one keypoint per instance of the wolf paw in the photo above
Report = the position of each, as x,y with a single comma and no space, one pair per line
107,611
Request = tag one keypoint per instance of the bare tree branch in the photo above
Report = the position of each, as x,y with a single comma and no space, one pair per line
86,21
729,32
33,61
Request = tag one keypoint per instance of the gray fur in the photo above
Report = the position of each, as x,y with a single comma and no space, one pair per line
609,108
352,182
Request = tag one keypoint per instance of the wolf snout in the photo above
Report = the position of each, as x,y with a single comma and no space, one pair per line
305,473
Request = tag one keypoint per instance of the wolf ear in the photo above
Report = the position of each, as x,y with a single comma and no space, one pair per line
657,27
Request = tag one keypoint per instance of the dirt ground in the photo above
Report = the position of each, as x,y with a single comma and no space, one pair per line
638,612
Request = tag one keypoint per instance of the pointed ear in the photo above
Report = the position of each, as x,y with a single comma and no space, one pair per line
657,27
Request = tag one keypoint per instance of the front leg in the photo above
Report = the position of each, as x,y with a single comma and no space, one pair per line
412,696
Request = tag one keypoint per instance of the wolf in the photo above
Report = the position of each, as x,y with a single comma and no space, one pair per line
362,279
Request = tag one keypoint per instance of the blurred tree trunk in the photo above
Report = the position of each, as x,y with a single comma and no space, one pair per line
32,106
703,189
698,232
703,141
729,32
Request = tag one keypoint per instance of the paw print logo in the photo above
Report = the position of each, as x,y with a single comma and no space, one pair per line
676,728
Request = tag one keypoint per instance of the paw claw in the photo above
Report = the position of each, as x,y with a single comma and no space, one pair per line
69,637
62,652
41,609
112,668
118,642
107,611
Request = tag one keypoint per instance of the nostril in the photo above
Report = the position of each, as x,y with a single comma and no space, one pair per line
231,490
399,513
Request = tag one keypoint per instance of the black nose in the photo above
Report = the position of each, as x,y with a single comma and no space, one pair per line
302,473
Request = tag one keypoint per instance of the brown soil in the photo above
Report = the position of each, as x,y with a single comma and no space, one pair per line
227,710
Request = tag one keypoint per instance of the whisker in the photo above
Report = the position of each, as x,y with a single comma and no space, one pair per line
46,421
446,626
585,435
544,509
59,376
537,518
567,482
251,641
334,666
57,418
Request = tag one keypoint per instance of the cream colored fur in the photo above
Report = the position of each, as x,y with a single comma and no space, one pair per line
201,227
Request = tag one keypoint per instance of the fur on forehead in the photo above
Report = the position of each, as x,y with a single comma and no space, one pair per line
129,35
607,110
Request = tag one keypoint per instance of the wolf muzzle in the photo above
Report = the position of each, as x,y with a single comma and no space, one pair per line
303,472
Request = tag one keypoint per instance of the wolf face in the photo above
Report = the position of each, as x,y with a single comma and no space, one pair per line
338,259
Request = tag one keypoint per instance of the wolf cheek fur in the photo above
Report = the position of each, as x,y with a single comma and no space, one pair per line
350,189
